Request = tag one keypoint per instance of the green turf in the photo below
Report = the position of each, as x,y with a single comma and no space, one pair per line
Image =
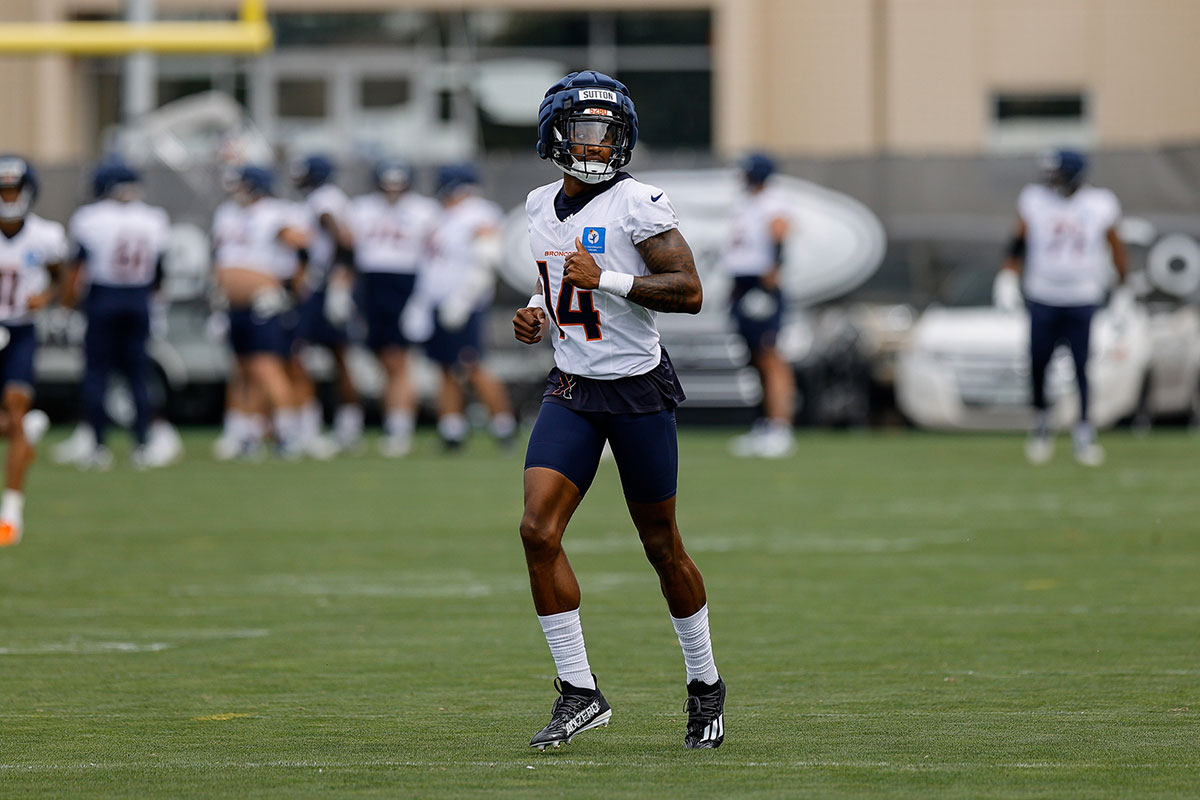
896,615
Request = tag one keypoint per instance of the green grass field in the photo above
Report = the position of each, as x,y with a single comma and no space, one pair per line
897,615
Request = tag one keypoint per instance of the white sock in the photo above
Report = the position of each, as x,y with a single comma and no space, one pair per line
564,634
697,646
348,422
1041,422
287,425
453,427
235,423
503,425
310,420
254,428
12,505
400,424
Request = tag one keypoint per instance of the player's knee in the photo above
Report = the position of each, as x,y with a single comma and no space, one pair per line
661,542
539,536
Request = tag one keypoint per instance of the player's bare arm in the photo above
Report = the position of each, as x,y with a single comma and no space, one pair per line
48,295
1016,248
673,283
1120,257
779,233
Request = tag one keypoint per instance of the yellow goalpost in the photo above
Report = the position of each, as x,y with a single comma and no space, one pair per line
249,34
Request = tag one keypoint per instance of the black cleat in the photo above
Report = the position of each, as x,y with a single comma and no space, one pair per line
705,708
576,710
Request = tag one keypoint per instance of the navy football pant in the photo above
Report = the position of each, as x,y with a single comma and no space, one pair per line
644,446
1048,326
116,338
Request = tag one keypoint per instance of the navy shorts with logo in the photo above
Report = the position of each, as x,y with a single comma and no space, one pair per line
16,359
759,317
462,346
635,415
315,327
384,296
252,334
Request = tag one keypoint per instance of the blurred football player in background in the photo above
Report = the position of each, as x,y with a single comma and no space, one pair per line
754,257
118,243
255,241
453,292
32,251
1065,240
390,229
610,255
328,305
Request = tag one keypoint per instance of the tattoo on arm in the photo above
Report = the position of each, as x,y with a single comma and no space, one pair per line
673,283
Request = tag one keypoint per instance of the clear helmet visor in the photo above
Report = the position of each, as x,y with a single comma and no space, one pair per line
593,139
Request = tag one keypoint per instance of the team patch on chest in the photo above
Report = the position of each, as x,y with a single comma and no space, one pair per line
593,240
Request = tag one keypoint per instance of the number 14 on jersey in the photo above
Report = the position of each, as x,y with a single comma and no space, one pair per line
562,311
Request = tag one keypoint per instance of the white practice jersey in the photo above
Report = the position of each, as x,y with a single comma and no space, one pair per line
1068,261
121,242
392,237
23,262
751,249
453,253
322,247
248,236
597,334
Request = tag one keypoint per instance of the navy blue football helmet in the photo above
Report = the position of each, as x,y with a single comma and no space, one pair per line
453,177
587,110
1064,169
312,172
111,173
756,168
17,173
256,181
392,175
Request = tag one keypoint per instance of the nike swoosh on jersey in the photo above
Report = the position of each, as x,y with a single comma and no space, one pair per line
654,199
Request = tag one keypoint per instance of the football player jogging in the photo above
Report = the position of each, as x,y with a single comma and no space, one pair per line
609,254
457,286
32,251
1065,239
118,244
390,230
255,239
327,307
754,258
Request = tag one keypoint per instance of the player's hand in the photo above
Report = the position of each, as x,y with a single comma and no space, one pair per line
580,269
770,280
39,300
528,325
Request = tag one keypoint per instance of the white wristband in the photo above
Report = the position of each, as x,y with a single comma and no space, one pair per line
617,283
537,301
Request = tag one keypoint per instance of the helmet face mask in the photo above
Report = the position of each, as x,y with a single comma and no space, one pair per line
392,178
587,126
591,144
18,188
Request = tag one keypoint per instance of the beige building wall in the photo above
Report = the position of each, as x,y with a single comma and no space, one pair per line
795,76
804,77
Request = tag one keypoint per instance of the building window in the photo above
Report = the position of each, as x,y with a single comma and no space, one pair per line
1027,122
300,98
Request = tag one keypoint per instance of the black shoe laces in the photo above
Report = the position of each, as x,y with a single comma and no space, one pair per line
567,705
702,709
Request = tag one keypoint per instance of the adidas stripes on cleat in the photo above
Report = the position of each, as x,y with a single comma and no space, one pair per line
705,707
575,710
